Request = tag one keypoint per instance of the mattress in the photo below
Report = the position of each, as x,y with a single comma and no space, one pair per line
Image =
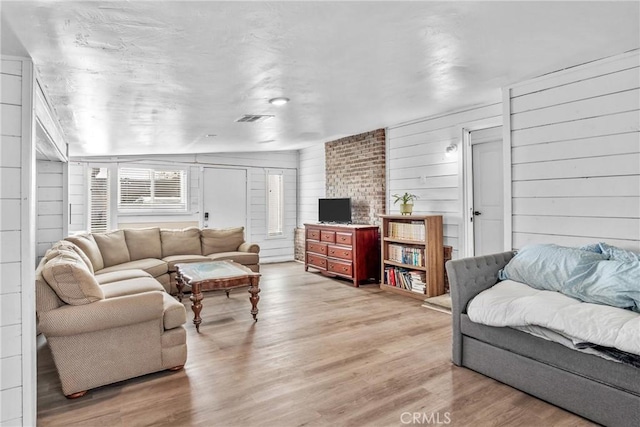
609,332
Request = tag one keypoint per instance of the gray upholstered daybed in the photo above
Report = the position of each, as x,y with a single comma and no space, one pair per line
601,390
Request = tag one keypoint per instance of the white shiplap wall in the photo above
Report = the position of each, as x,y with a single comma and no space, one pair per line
51,220
280,248
575,138
256,164
17,308
416,163
312,182
77,197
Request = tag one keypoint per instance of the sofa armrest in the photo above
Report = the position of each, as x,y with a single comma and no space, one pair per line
104,314
249,247
467,278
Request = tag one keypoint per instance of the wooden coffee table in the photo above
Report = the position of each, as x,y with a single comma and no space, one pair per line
212,276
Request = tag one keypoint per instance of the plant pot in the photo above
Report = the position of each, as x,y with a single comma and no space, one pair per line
406,208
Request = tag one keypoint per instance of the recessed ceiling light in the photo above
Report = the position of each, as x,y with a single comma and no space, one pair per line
278,101
210,135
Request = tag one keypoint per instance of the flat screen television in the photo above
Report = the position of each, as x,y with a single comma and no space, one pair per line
334,210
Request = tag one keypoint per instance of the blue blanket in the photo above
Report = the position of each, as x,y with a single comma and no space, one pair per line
598,273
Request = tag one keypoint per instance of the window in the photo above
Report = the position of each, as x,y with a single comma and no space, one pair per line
152,190
98,200
275,203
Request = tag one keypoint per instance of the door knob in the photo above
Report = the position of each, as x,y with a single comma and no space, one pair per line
477,213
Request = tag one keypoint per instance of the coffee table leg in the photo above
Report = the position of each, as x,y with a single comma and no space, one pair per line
180,286
254,290
196,304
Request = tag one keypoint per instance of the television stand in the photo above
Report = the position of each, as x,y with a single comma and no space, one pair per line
348,251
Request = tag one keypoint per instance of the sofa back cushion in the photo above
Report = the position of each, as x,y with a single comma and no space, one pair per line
143,243
113,247
221,240
181,242
88,245
71,280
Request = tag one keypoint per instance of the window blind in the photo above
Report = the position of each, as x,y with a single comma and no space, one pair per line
152,190
98,199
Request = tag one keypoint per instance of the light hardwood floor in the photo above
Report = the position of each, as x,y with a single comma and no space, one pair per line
323,353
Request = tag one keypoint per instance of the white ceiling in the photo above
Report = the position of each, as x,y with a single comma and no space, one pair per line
142,77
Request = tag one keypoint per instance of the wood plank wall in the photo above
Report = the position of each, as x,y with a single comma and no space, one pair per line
417,164
51,205
311,172
77,197
10,244
575,138
272,249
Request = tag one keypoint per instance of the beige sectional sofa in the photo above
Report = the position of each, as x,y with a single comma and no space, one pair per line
103,303
157,251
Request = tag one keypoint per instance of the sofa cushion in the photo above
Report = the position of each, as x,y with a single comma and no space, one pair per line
177,259
71,280
131,287
154,267
175,314
244,258
115,276
181,242
64,245
88,245
113,247
143,243
221,240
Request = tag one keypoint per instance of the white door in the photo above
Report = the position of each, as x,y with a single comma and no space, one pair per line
224,198
488,192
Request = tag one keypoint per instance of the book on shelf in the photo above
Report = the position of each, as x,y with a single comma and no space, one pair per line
406,255
414,230
402,278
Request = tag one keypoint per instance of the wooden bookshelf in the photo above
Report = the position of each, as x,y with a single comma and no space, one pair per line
412,246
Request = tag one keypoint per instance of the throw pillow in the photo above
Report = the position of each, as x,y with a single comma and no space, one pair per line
71,280
614,282
88,245
64,245
546,266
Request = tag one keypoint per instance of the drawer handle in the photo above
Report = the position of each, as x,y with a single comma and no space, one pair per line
345,269
345,253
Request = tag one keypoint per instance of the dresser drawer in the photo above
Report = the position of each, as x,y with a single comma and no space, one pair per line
319,248
340,252
343,238
313,234
340,267
317,261
328,236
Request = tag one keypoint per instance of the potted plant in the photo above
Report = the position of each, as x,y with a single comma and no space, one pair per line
406,207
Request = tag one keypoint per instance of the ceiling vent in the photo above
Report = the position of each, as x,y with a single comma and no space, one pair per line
254,118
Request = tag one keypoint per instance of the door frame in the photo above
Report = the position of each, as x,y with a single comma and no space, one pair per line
466,183
247,226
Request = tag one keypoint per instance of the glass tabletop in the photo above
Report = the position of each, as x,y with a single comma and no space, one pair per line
213,270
